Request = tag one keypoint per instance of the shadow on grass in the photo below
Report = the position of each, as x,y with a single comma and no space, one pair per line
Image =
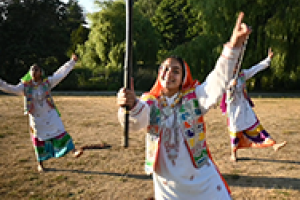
269,160
123,175
263,182
232,179
96,146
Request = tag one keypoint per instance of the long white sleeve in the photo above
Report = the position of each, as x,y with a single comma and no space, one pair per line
14,89
209,92
257,68
139,116
61,73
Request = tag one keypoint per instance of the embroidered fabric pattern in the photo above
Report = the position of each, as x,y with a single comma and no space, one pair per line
170,137
176,101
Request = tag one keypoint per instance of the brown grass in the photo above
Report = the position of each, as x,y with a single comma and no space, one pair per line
118,173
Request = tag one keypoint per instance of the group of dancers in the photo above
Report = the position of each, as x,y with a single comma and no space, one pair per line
177,154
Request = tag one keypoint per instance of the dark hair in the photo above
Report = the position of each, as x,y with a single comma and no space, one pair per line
41,70
181,61
34,65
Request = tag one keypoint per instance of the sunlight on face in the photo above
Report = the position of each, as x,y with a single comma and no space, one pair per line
170,75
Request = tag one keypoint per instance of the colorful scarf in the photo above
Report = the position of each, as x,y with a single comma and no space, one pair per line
188,82
27,77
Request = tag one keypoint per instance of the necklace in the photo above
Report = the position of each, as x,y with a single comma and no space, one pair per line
170,136
176,100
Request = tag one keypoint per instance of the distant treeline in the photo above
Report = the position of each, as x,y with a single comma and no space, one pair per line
48,31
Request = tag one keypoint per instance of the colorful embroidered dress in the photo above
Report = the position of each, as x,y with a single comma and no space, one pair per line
28,95
177,152
188,119
242,121
48,133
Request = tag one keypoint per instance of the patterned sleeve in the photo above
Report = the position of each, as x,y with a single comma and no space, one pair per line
209,92
139,116
257,68
61,73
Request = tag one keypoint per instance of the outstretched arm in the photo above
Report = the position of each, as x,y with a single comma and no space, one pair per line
13,89
215,84
212,89
62,72
260,66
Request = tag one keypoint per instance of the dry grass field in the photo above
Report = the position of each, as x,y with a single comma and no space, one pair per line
118,173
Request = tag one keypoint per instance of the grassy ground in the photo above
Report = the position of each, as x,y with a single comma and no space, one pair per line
118,173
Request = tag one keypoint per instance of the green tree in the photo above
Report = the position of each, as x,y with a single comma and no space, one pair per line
33,31
78,36
274,24
147,7
201,54
177,23
282,32
104,51
74,15
75,25
32,34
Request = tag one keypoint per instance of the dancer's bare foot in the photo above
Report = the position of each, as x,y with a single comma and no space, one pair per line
270,141
276,147
233,158
40,168
78,153
233,155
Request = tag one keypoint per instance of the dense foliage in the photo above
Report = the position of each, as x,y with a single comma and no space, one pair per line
48,31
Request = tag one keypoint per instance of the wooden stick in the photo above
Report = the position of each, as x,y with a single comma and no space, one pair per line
241,58
128,64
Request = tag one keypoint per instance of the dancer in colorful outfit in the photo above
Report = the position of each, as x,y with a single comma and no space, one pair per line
48,133
244,127
172,112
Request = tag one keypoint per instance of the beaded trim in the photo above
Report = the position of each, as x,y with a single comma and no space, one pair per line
176,101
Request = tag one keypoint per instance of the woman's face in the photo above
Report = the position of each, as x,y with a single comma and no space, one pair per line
170,75
36,73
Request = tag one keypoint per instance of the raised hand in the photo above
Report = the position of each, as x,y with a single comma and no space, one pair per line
270,53
74,57
240,32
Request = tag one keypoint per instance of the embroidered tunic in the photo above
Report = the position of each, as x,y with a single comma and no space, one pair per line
176,145
44,120
240,114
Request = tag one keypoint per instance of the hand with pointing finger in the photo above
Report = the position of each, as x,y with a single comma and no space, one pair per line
240,32
270,53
